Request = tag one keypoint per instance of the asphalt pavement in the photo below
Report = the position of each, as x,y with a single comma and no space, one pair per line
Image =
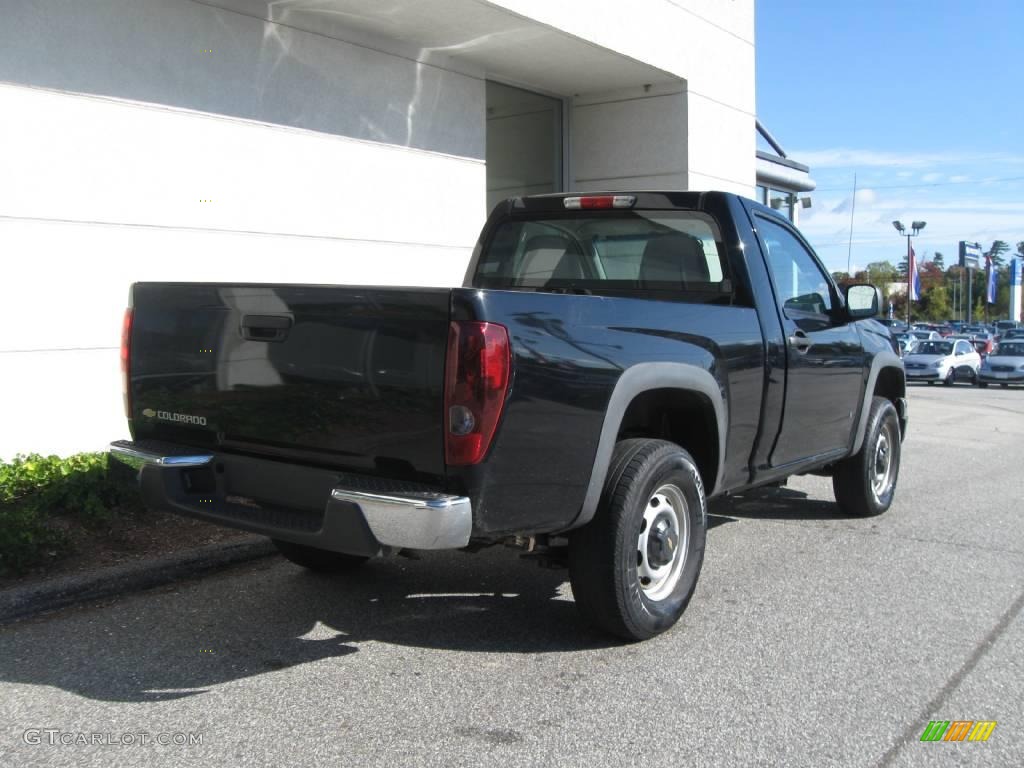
812,640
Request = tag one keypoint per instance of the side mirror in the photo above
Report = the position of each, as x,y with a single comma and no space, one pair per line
862,301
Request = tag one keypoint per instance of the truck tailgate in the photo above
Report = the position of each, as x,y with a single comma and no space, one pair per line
347,377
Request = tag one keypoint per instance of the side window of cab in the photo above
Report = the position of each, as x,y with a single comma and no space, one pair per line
801,286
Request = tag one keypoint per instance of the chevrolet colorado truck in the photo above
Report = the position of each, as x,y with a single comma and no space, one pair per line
611,362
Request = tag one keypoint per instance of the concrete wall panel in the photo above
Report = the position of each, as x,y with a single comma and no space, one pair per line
721,143
60,402
628,136
177,140
91,159
188,54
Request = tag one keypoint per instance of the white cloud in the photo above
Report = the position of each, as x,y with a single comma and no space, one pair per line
963,195
950,219
866,196
839,157
852,158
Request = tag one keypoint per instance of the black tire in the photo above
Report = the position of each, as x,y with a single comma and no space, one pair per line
1004,386
982,384
651,486
950,378
930,383
858,489
319,560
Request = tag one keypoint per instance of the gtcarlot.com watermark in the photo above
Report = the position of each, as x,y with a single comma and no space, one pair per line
57,737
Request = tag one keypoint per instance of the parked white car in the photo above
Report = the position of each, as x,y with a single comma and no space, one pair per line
1004,366
943,360
906,342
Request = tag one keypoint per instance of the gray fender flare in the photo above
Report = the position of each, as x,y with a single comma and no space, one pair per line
636,380
880,361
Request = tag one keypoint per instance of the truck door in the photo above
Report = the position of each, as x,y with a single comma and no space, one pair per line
824,360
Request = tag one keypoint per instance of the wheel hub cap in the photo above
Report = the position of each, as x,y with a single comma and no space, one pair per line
881,458
663,542
882,470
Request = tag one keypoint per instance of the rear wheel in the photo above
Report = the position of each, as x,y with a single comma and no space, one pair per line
634,567
865,483
982,384
320,560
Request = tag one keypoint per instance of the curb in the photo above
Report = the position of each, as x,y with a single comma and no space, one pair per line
22,602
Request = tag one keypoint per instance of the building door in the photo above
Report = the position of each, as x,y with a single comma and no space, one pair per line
524,143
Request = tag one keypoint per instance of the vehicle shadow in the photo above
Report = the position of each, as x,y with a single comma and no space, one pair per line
183,640
774,503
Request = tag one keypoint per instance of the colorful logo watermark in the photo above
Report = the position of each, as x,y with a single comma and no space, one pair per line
958,730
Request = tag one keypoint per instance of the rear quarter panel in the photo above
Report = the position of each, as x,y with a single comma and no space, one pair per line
568,353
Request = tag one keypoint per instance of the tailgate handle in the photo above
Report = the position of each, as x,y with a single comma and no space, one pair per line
265,327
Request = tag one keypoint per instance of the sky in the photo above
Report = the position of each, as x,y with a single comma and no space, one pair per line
923,101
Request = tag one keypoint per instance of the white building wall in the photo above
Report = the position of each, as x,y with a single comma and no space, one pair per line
190,54
326,154
312,175
629,139
709,45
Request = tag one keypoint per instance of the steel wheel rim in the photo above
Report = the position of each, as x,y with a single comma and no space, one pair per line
882,465
663,542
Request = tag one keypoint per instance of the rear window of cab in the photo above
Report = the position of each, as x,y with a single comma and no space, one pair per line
676,255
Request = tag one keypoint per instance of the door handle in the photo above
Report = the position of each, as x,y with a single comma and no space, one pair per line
265,327
800,342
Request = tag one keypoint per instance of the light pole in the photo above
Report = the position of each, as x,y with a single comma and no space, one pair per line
793,203
916,226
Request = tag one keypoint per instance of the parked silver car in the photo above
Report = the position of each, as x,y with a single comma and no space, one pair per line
943,360
1004,365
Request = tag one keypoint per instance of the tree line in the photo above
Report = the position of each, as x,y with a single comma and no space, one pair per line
944,289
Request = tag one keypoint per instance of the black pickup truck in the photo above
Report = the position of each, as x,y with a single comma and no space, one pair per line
612,361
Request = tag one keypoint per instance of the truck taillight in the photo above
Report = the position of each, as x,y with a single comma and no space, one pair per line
591,202
126,351
477,373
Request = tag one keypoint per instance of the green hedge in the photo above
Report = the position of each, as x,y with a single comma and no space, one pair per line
34,490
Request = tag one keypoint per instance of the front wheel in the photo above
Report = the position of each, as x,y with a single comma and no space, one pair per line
634,567
865,483
950,378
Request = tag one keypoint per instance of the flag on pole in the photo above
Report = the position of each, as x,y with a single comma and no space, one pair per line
990,285
913,279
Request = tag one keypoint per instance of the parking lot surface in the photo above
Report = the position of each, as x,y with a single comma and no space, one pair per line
812,640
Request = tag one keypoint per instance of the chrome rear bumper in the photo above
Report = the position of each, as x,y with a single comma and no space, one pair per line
416,521
139,454
281,500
